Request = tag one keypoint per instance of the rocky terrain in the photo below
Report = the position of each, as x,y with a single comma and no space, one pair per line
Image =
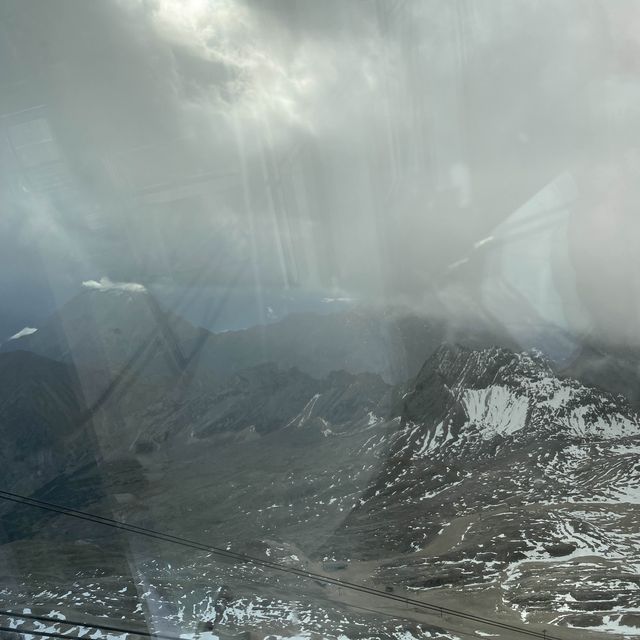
487,482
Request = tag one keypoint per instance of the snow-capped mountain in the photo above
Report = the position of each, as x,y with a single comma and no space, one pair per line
506,477
488,396
488,481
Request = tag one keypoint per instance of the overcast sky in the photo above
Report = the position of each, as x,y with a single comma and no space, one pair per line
473,155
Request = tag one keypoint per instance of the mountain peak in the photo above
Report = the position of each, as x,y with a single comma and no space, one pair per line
106,284
456,365
497,392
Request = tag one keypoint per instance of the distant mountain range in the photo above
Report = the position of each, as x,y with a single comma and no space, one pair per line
111,329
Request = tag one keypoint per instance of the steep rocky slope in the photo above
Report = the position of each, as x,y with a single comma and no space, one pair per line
43,420
503,476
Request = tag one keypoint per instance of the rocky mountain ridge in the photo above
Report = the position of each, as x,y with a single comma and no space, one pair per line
487,475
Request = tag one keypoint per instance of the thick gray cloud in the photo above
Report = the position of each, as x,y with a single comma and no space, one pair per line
332,149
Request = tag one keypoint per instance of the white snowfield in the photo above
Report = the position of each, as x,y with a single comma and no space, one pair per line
498,410
565,406
106,284
495,410
27,331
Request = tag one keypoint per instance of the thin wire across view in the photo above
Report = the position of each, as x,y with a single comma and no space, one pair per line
244,558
